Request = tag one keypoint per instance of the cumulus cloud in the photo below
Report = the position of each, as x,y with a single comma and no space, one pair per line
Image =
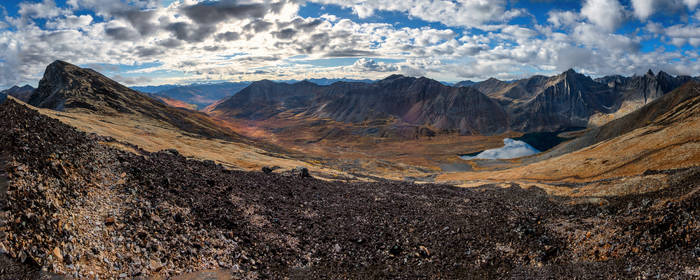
563,18
370,65
70,22
608,14
214,12
44,9
643,9
269,39
471,13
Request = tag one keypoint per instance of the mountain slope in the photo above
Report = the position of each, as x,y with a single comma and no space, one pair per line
66,87
22,93
414,101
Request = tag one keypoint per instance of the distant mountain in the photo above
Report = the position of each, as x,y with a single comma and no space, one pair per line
645,88
542,103
22,93
464,83
415,101
66,87
153,89
325,81
202,95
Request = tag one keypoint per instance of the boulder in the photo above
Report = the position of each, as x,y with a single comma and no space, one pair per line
301,172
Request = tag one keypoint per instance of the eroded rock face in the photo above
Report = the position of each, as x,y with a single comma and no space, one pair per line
79,208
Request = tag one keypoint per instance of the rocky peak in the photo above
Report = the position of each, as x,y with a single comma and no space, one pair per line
650,74
571,73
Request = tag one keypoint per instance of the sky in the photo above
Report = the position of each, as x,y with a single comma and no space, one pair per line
153,42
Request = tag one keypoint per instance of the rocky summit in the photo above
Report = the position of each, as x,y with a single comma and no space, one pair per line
79,208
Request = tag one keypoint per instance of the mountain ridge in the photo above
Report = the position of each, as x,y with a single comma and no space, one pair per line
407,99
66,87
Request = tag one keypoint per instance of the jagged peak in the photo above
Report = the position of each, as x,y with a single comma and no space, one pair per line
60,64
570,72
492,80
663,74
650,73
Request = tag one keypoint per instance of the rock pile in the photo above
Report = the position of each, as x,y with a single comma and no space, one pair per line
78,208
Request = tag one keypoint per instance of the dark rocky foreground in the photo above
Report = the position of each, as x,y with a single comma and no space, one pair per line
77,207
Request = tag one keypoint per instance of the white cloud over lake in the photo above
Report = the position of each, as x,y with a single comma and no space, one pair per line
511,149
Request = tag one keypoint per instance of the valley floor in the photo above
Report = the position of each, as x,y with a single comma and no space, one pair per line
78,206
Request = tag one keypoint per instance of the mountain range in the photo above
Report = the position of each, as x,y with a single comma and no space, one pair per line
536,104
413,101
203,95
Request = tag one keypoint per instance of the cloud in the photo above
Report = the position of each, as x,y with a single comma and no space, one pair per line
682,34
349,53
228,36
563,18
138,80
121,33
511,149
210,12
370,65
70,22
190,32
608,14
643,9
263,39
44,9
469,13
